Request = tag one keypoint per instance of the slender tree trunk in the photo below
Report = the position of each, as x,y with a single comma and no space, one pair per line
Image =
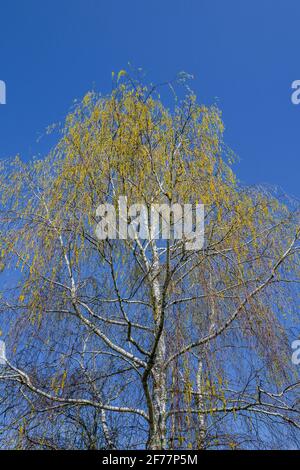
200,405
158,438
159,395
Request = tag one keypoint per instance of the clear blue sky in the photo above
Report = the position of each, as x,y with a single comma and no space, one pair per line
245,53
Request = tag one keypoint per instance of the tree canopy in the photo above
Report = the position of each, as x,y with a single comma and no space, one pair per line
141,343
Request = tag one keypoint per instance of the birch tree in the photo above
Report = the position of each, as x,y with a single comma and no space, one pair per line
138,343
